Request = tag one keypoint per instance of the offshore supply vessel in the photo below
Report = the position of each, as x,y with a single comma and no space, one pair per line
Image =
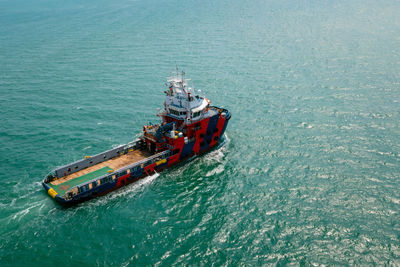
190,126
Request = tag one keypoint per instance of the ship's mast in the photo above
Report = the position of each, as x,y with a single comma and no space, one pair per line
181,101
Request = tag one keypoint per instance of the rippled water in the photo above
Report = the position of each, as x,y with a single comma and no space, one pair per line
310,171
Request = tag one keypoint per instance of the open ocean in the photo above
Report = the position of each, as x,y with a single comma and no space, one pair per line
310,172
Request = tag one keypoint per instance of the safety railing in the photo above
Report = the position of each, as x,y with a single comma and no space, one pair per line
109,176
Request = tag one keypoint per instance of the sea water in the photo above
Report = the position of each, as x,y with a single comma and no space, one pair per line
310,170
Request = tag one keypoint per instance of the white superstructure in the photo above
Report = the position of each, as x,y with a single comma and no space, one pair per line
181,102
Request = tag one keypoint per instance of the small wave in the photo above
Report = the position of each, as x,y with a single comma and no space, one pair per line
394,200
271,212
217,170
20,214
215,156
374,179
23,193
305,125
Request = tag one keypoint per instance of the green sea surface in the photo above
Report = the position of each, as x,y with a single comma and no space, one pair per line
310,172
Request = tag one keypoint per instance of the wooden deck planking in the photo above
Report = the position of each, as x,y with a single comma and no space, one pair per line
114,163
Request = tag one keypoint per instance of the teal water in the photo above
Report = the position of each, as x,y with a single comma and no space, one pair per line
310,171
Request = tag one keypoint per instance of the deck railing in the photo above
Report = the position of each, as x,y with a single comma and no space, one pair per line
96,159
145,162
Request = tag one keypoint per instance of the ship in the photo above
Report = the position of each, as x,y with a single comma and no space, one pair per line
189,126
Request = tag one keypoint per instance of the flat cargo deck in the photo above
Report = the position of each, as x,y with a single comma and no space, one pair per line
67,182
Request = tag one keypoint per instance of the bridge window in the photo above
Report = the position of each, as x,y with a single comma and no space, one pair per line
173,112
196,114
